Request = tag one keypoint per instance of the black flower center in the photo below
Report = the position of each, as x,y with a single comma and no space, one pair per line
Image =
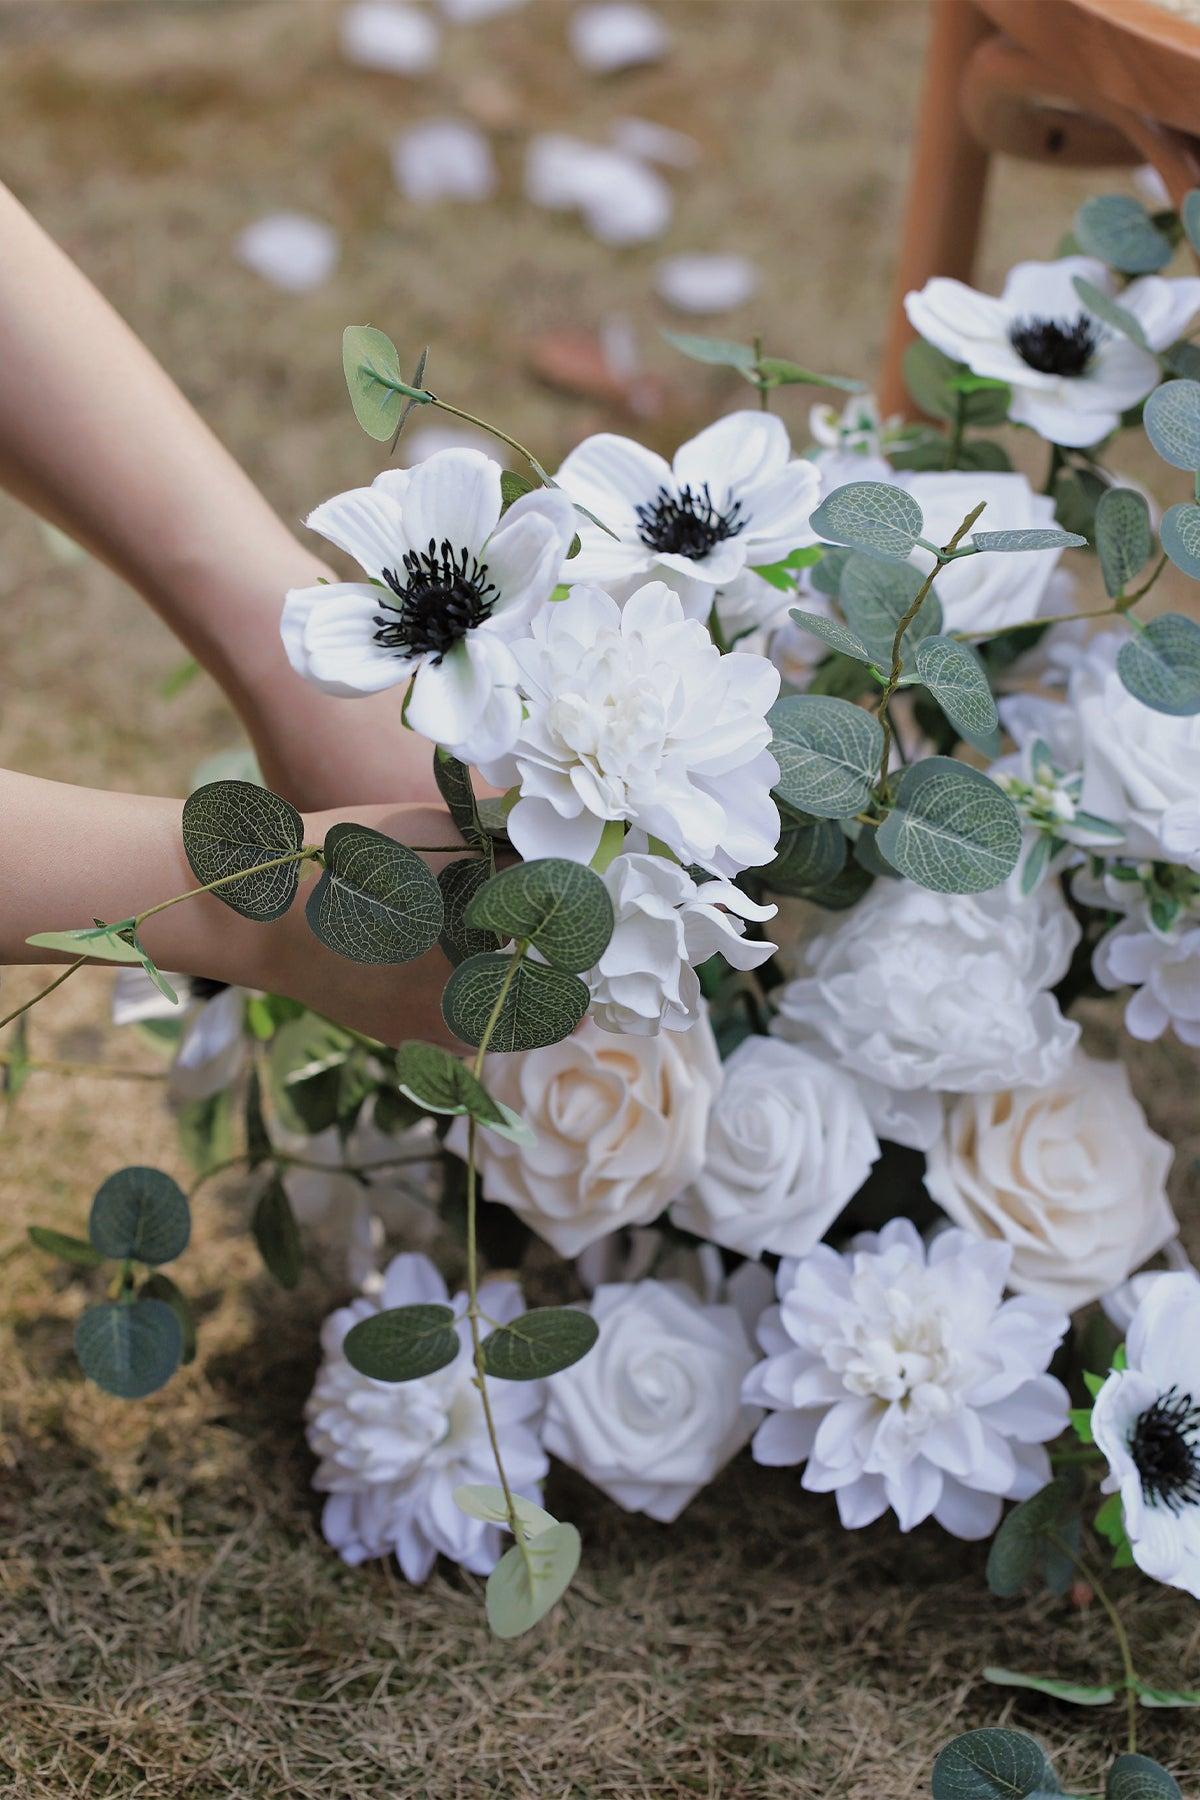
1165,1446
687,523
1055,346
441,595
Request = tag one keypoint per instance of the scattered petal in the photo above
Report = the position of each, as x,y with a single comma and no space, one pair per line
699,283
401,40
290,250
617,36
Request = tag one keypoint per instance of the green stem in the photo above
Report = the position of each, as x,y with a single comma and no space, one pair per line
1119,1632
101,1070
1125,601
954,447
283,1160
1057,463
1120,605
42,992
304,854
457,412
764,391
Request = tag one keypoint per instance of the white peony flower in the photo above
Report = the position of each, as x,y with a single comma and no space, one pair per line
1146,1420
1072,376
452,583
665,924
655,1412
209,1029
390,1454
918,992
634,714
733,498
789,1144
619,1127
985,593
902,1378
1069,1175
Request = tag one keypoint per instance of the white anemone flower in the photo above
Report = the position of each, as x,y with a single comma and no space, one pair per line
901,1377
733,498
211,1045
452,583
1072,376
392,1453
1146,1420
633,714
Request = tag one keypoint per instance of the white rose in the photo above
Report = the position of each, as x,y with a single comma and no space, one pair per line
1141,768
1070,1175
984,593
789,1144
655,1410
620,1124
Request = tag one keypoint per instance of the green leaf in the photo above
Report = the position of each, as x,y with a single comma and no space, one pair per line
844,891
833,632
1189,217
778,371
782,574
542,1006
103,942
827,574
307,1061
129,1350
993,1764
1124,540
1107,309
377,387
1080,1417
721,351
539,1343
562,908
140,1213
868,855
1134,1777
931,377
871,516
277,1234
1118,229
1166,1697
1183,359
951,829
828,753
404,1343
67,1249
525,1584
1180,533
1077,494
376,901
811,853
1075,1693
875,597
460,882
480,1501
160,1287
1024,1540
1172,421
1160,665
958,682
205,1130
232,825
454,777
1031,538
155,974
441,1082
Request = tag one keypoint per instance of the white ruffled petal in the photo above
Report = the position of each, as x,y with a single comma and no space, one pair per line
329,636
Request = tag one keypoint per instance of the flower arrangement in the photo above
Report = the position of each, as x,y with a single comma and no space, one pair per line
754,914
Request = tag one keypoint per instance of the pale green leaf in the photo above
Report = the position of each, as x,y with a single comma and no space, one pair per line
951,829
527,1582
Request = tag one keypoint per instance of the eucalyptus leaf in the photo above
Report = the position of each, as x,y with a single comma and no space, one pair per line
778,371
875,597
844,891
129,1349
1180,533
277,1235
232,825
160,1287
142,1214
1172,420
958,682
1134,1777
1075,1693
103,942
403,1343
993,1764
827,574
930,378
460,882
871,516
539,1343
828,753
1107,309
1189,217
1118,229
542,1005
833,632
376,901
454,777
441,1082
1160,665
526,1582
377,386
1183,358
720,351
1166,1697
1024,1547
66,1248
952,829
1030,538
481,1501
1124,541
562,908
811,853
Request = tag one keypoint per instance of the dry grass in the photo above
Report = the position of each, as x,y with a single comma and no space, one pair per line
170,1622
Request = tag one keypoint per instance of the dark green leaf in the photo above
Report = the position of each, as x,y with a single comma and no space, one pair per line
440,1082
277,1234
951,829
1160,665
930,378
1077,494
539,1343
1134,1777
867,854
992,1764
1189,217
562,908
955,677
460,882
833,632
1124,541
377,387
827,574
1172,420
844,891
307,1059
1020,1547
828,754
1180,532
232,825
542,1005
160,1287
404,1343
811,854
258,1138
454,777
376,901
1031,538
1118,229
68,1249
129,1350
875,597
1075,1693
205,1130
871,516
140,1213
1183,359
721,351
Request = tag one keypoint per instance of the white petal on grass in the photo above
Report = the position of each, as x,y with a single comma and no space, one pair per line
290,250
700,283
616,36
400,40
655,143
444,159
473,12
621,200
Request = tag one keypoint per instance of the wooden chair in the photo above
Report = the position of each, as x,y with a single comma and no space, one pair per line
1084,83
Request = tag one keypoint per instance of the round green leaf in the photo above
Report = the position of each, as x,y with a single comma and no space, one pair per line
871,516
277,1234
833,632
1124,541
1107,309
454,777
867,854
1075,1693
479,1500
1180,533
992,1764
524,1585
542,1006
460,882
232,825
1023,1546
875,597
1134,1777
1189,214
539,1343
1172,420
129,1350
1029,538
827,574
66,1248
561,907
811,853
376,901
1160,665
378,390
720,351
828,753
441,1082
956,678
1118,229
951,829
142,1214
160,1287
844,891
404,1343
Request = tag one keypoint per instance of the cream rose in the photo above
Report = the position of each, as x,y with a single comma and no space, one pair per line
984,593
620,1124
1070,1175
655,1410
1141,768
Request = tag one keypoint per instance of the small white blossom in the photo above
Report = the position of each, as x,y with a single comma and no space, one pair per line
210,1041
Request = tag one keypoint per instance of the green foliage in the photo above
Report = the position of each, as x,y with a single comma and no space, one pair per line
833,632
951,829
1075,1693
828,753
1105,307
106,943
846,889
827,574
1118,229
441,1083
1134,1777
140,1214
1024,1549
277,1234
205,1130
722,352
1166,1697
875,597
873,517
454,777
1180,532
309,1066
562,908
160,1287
1124,541
481,1501
539,1343
129,1348
958,682
378,390
1189,217
779,371
1046,537
1160,665
542,1005
993,1764
460,882
529,1579
931,379
811,853
376,901
1077,494
1172,421
1110,1517
403,1343
232,825
66,1248
763,371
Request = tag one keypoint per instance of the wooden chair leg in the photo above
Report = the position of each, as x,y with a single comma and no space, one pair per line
946,183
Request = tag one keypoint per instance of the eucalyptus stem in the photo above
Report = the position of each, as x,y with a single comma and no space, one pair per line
305,854
457,412
284,1160
1119,1632
764,387
1120,605
954,447
42,992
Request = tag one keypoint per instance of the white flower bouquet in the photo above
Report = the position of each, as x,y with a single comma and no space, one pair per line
798,806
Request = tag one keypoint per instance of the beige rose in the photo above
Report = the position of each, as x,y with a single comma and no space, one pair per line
620,1126
1069,1174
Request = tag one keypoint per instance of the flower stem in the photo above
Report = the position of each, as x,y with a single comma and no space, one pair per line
304,854
42,992
1119,1632
283,1160
457,412
1121,605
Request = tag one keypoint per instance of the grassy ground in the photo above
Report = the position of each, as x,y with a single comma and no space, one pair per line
170,1622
